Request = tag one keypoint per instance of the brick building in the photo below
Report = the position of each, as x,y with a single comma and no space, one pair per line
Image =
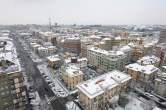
72,44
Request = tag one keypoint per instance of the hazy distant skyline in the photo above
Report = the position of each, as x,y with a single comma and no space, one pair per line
83,11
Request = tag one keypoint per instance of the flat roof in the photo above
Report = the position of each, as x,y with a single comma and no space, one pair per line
54,58
11,56
148,60
97,86
147,69
73,70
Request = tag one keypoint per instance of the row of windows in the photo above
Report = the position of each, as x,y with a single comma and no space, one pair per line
3,88
4,93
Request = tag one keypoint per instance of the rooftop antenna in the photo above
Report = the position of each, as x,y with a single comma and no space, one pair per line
50,24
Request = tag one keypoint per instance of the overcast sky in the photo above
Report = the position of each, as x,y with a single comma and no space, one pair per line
83,11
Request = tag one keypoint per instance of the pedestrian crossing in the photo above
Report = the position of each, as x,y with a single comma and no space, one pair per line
50,99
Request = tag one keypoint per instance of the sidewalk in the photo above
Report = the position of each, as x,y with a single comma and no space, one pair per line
55,78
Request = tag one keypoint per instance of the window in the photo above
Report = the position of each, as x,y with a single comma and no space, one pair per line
7,92
6,87
2,93
1,88
5,103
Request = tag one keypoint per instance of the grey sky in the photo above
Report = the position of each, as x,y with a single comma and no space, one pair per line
83,11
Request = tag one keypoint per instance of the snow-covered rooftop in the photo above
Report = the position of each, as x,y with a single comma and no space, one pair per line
148,45
118,38
94,36
36,45
54,58
104,52
42,48
147,69
148,60
116,53
107,38
119,76
132,44
73,70
101,42
51,47
11,56
97,86
98,50
78,60
125,48
164,67
73,38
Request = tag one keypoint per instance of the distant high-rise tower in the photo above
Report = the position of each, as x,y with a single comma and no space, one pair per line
162,38
50,24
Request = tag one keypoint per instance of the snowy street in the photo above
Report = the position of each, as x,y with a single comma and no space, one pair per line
54,84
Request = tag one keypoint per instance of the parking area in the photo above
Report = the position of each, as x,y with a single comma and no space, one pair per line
52,81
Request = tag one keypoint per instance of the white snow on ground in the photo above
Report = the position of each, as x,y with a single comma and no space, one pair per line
33,56
36,101
118,108
72,106
156,108
134,104
26,83
57,89
74,91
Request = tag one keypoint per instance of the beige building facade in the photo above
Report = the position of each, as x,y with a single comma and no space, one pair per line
103,91
72,76
106,60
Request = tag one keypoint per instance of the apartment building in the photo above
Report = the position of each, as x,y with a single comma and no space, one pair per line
139,51
128,39
32,40
127,50
110,43
161,53
159,84
80,62
101,92
162,36
72,44
51,50
54,61
142,74
148,48
84,46
106,60
72,76
163,68
94,38
42,51
149,60
60,41
35,46
46,36
121,33
12,89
